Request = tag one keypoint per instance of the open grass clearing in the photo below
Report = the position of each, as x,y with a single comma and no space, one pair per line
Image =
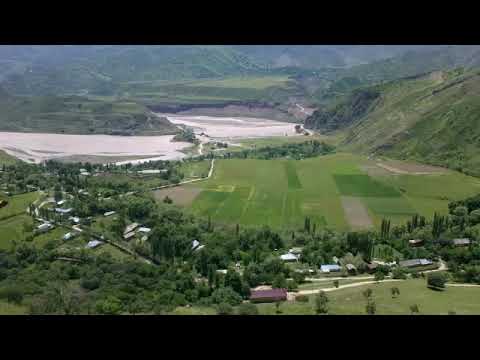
350,301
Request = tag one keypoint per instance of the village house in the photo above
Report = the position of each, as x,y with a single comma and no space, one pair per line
129,235
289,257
68,236
461,242
131,228
109,213
74,219
330,268
415,262
144,230
63,211
44,227
152,171
415,242
271,295
351,268
93,244
372,267
195,244
61,202
296,250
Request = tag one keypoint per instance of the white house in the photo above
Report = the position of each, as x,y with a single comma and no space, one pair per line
93,244
195,244
130,228
63,211
44,227
129,235
68,236
144,230
61,202
330,268
289,257
109,213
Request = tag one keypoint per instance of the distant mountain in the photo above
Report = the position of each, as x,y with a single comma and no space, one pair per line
100,69
432,118
415,61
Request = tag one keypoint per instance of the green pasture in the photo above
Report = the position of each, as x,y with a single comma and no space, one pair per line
281,193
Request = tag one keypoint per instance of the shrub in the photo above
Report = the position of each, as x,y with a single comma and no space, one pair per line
12,295
224,309
336,283
226,295
436,280
302,298
90,284
292,285
399,273
247,309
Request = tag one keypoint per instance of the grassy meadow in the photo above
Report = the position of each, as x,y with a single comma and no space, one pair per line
281,192
350,301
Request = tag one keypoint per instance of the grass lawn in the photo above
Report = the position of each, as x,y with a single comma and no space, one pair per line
281,192
350,301
18,204
195,169
12,309
11,229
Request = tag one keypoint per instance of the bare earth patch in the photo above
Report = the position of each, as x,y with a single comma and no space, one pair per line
356,213
400,167
181,195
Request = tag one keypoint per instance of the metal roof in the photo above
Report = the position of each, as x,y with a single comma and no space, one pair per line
330,267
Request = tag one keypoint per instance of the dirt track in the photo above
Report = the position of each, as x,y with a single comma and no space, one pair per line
356,213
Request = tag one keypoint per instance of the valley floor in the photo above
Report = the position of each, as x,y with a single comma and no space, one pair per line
341,191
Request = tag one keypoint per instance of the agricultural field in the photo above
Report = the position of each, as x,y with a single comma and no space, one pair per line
334,191
11,229
350,301
214,91
17,204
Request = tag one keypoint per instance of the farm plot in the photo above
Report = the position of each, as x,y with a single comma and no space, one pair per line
335,191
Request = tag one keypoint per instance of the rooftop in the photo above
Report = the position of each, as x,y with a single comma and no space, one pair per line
271,293
464,241
288,257
330,267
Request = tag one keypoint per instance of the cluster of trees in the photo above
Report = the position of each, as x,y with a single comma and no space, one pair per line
296,151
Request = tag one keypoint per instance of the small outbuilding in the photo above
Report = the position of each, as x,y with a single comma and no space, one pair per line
129,235
351,268
130,228
415,263
461,242
415,242
109,213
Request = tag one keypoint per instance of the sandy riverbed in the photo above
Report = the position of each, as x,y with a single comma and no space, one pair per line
37,147
233,127
34,147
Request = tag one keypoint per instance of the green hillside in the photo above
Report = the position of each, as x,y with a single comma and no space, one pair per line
101,69
432,118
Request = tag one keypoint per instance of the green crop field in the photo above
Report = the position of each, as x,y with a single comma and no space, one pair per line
11,229
280,193
17,204
350,301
